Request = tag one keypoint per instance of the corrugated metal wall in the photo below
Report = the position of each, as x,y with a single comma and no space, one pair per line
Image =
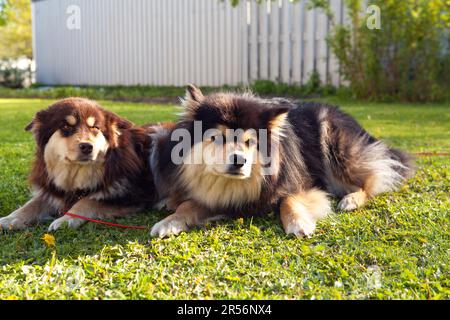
174,42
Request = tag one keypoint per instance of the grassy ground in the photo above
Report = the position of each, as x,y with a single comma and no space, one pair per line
396,247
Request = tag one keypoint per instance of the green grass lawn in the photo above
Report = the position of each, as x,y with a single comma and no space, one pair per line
397,247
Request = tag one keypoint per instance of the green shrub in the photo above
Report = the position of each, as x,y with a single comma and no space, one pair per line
313,87
407,59
12,76
263,87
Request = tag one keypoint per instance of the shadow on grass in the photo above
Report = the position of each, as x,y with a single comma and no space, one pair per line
28,247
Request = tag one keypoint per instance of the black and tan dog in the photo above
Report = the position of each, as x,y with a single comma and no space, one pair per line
286,156
89,161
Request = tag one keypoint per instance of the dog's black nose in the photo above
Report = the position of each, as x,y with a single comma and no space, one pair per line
86,148
237,160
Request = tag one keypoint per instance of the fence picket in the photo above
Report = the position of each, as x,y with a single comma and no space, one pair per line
263,40
173,42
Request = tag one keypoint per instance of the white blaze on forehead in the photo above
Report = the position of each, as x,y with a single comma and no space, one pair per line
90,121
71,120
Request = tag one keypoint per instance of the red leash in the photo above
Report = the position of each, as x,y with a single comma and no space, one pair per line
117,225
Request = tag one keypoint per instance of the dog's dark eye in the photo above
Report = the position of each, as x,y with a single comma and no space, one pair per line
250,142
66,130
218,139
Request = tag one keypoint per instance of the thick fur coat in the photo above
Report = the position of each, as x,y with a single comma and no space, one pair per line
88,161
320,151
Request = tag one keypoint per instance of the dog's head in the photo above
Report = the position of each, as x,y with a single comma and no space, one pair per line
237,131
76,131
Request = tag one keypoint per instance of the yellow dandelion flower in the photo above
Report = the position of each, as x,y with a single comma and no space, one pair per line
49,239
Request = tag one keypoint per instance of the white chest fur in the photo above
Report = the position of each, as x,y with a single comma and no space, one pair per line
68,176
217,191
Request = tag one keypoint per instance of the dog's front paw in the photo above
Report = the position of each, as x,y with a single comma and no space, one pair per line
12,222
301,227
352,201
73,223
171,225
347,204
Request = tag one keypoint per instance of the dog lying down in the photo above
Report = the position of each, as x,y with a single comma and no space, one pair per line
251,156
89,161
241,155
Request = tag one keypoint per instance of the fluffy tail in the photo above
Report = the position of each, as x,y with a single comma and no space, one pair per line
388,167
407,160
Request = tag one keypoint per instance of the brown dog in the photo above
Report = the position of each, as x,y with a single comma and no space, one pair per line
90,162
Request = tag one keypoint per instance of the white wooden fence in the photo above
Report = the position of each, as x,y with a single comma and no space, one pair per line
175,42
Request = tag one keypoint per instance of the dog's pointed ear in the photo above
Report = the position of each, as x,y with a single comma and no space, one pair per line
30,126
277,119
114,127
194,94
191,101
123,123
38,118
